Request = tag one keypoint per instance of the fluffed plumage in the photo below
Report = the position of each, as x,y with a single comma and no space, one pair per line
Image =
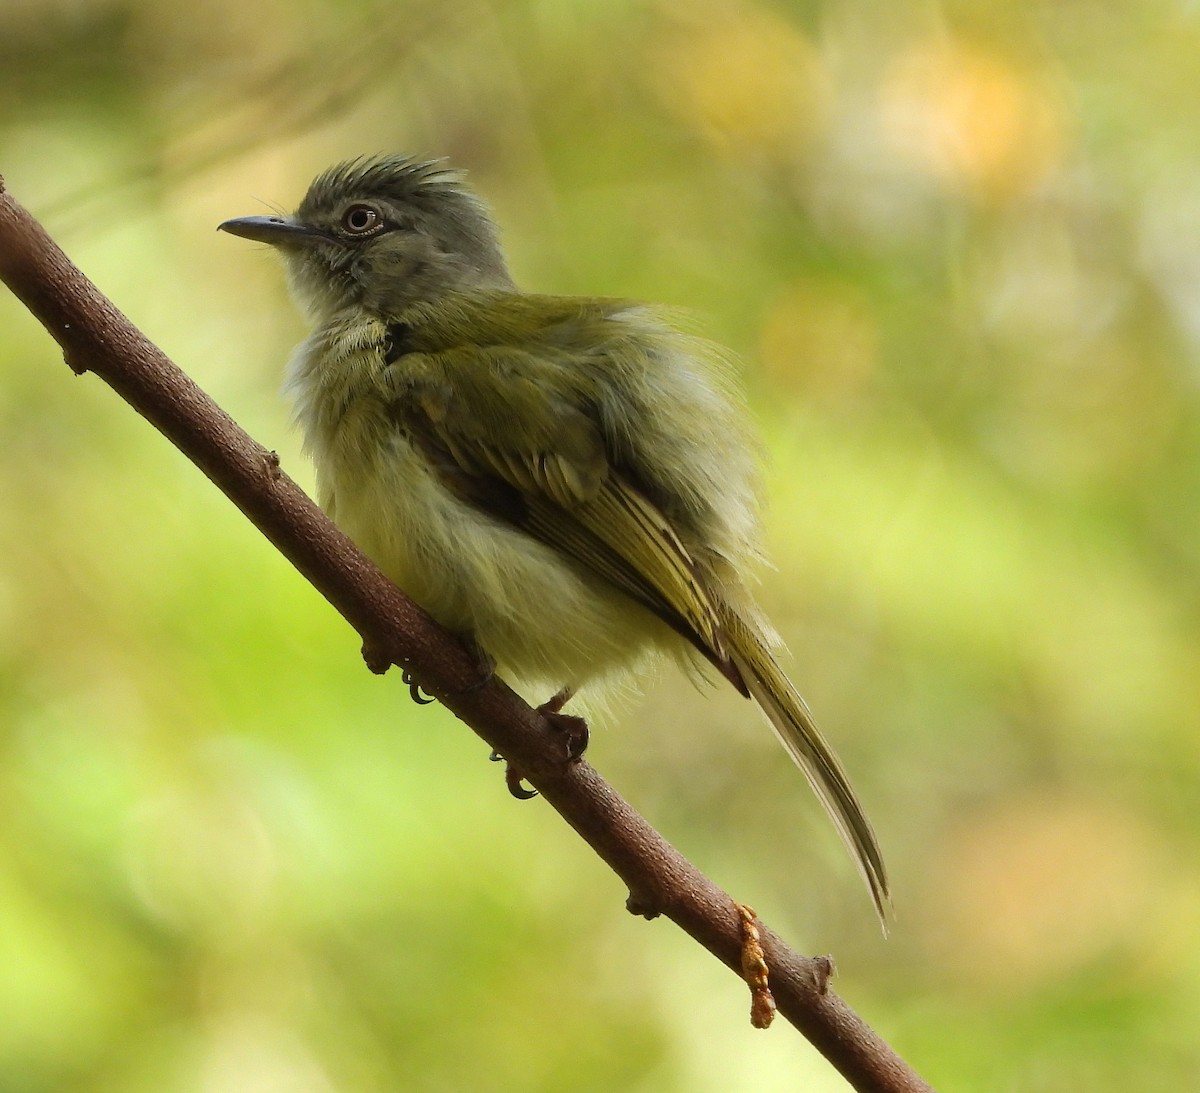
568,481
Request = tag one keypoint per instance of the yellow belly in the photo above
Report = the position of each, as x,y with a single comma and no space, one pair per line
543,620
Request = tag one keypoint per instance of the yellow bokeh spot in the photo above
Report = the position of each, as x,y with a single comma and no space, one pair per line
1044,885
971,118
748,80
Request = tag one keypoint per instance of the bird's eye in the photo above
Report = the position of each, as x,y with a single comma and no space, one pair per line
361,220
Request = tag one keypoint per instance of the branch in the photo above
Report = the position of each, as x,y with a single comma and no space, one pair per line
96,337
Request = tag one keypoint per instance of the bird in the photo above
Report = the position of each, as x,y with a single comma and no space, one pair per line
569,483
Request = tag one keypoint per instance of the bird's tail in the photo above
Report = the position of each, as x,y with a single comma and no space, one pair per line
798,732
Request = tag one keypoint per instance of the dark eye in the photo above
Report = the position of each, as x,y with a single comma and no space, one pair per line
361,220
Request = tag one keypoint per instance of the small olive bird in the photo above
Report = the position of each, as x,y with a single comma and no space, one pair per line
568,482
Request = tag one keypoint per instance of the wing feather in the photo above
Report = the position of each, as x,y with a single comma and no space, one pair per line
555,483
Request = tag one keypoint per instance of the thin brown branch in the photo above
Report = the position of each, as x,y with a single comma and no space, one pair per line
96,337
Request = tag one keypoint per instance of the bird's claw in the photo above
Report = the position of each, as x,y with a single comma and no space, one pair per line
513,779
414,689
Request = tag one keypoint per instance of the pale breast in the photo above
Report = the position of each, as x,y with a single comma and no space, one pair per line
543,620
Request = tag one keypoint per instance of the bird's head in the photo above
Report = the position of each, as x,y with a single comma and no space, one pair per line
383,233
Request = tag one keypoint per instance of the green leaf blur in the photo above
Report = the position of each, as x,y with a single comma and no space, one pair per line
957,247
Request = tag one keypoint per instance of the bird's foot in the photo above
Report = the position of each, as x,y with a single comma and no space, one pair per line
575,734
420,697
485,664
513,780
379,662
574,729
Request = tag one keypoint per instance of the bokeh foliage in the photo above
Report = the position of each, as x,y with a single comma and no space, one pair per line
958,248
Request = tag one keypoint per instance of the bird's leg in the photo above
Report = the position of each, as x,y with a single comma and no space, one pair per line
574,729
483,660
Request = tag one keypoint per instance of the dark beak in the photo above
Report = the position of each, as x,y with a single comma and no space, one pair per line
270,229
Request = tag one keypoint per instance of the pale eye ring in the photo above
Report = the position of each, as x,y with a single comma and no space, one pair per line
361,220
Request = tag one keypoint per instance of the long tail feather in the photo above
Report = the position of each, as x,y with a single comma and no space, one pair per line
797,731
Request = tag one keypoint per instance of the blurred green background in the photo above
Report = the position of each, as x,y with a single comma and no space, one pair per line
957,246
